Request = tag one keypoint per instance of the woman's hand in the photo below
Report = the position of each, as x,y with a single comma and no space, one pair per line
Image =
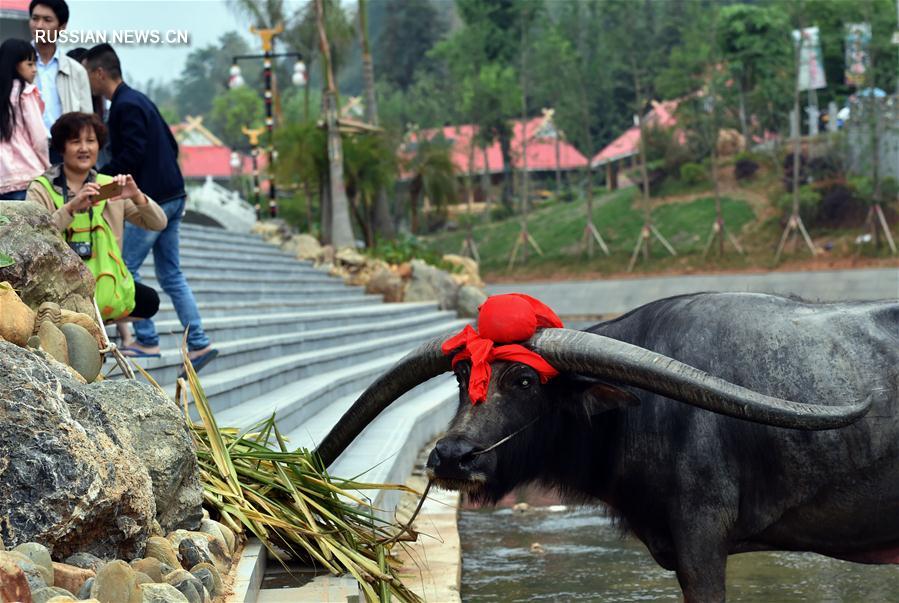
129,189
83,198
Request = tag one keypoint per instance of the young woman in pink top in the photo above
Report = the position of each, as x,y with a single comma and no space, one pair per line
23,136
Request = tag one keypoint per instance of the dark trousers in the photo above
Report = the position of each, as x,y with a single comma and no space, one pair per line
146,301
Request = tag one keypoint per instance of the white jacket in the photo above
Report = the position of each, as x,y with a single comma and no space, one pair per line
73,86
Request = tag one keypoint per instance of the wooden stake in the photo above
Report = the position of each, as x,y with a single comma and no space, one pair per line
592,234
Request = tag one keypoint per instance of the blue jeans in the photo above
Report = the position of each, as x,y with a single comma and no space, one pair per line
137,244
14,195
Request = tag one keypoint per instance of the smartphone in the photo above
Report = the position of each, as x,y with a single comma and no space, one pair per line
107,191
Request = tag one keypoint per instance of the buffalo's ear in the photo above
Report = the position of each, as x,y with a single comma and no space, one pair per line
593,396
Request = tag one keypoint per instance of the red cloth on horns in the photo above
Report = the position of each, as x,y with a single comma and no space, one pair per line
502,319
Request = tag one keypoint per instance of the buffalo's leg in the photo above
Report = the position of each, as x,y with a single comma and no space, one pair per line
701,554
702,579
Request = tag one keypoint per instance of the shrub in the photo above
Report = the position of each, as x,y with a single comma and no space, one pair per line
809,201
839,206
406,248
692,173
745,168
500,212
863,188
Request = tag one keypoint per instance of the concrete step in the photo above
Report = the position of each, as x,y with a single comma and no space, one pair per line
228,255
237,250
227,268
245,278
296,402
239,352
222,329
197,230
228,387
267,305
226,238
214,290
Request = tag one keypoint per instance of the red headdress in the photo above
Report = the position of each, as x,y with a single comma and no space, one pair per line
502,319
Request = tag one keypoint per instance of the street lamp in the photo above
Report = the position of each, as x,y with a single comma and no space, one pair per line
298,78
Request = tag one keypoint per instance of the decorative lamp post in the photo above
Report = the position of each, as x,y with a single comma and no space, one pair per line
298,78
253,136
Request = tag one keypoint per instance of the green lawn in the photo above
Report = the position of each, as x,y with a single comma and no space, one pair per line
558,229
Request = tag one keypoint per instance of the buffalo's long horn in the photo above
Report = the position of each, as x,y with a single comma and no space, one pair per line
424,363
604,357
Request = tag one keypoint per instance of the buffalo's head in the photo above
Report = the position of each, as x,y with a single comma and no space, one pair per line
472,455
492,446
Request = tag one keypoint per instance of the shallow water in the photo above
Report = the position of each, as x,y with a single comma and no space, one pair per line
585,559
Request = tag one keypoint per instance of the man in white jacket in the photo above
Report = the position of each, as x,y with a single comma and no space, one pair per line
62,81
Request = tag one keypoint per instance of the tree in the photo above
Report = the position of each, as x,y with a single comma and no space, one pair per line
492,97
381,220
432,175
411,29
233,110
338,229
205,74
755,43
481,56
370,167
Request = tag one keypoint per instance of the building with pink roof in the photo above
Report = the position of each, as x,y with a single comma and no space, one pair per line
627,146
546,149
14,19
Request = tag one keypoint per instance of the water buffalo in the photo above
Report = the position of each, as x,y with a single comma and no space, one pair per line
800,451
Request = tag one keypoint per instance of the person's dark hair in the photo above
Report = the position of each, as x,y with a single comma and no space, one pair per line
12,52
77,54
69,127
103,56
59,8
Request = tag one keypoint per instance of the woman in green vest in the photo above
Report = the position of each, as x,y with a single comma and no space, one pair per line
93,226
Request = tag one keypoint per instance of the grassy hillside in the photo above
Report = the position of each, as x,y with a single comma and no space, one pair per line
685,220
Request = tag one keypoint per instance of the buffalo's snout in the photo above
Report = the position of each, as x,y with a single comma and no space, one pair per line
452,457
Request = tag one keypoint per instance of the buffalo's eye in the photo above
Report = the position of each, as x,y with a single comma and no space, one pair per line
524,382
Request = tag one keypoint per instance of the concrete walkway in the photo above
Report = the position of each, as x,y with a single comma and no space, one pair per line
586,299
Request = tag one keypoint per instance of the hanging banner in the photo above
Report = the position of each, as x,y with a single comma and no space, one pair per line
811,60
858,59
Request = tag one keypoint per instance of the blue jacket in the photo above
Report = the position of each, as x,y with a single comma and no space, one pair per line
142,145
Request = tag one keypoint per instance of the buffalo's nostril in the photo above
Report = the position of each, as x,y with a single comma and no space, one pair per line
450,453
433,459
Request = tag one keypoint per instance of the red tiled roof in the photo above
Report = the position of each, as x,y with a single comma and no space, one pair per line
661,116
541,151
15,5
202,161
199,162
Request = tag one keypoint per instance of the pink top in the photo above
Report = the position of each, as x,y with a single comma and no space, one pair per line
25,156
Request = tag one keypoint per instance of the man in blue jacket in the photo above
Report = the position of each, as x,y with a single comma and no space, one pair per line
141,144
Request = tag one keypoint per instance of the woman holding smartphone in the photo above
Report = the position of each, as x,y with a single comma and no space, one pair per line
90,210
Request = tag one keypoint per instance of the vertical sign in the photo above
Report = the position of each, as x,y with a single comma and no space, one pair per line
858,60
811,60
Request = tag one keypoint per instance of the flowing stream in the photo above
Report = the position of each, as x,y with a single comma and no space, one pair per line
582,557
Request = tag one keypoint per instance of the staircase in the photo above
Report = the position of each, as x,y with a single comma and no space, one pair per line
297,342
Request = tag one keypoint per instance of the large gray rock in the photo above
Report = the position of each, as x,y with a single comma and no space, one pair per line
67,478
469,301
45,269
154,428
429,283
302,246
387,283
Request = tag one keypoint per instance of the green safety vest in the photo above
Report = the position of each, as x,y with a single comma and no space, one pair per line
115,285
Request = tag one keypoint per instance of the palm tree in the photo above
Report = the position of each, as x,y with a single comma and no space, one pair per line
382,220
340,228
432,175
370,166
